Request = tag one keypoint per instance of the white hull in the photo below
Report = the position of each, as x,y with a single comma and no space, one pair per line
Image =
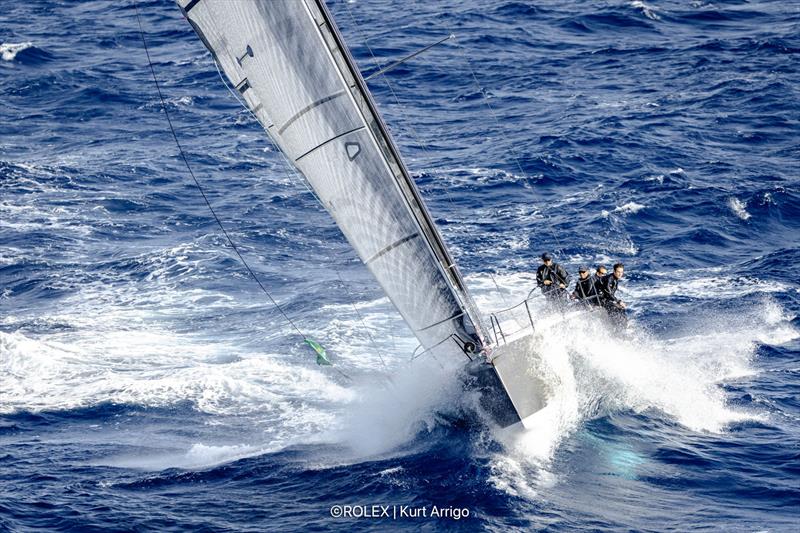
519,368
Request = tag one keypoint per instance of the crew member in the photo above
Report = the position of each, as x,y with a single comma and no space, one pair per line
552,278
585,291
608,294
597,280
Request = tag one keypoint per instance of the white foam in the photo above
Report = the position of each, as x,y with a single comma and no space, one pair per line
739,208
389,414
390,471
198,456
35,217
140,367
720,286
625,209
480,175
630,207
646,10
116,344
182,101
9,51
593,373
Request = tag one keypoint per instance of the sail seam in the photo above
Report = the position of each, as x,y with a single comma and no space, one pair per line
329,140
391,247
308,108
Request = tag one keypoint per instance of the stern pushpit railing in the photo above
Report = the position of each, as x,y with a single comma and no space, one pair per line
511,317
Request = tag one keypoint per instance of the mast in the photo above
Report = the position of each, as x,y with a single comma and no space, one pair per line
418,207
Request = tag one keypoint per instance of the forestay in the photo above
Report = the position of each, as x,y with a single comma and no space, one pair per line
288,61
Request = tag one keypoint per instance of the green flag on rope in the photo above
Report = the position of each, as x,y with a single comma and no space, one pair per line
322,357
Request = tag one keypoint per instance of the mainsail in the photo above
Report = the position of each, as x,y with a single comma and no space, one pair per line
289,63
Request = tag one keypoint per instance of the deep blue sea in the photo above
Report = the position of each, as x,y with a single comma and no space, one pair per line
146,383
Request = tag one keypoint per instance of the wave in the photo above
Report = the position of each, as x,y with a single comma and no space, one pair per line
596,375
739,208
25,53
630,208
199,456
646,10
9,51
114,344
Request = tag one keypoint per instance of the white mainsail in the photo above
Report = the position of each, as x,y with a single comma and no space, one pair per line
291,67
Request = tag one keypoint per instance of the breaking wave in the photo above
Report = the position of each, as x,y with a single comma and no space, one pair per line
9,51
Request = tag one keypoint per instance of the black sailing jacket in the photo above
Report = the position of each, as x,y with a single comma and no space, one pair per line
608,288
585,290
598,285
554,273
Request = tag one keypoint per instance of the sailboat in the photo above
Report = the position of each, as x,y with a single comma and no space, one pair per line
290,66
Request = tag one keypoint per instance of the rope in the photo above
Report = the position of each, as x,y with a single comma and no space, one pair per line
512,149
289,172
469,303
360,318
423,144
197,182
380,71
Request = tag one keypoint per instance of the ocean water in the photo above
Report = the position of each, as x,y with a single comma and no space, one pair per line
147,384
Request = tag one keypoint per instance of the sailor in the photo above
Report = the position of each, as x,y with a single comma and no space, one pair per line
585,291
608,294
597,279
552,278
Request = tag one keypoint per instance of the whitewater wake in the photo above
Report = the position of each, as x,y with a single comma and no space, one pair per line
107,350
594,372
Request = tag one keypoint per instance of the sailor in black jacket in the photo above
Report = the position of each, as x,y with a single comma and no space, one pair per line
585,291
608,294
552,278
597,280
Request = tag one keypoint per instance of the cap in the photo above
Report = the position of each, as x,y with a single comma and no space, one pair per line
546,257
583,269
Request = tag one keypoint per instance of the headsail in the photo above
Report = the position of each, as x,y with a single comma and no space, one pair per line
287,60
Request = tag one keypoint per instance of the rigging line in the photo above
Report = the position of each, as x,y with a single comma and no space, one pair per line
242,103
417,137
416,355
289,171
381,71
358,313
347,255
425,146
468,301
512,149
505,302
197,182
497,288
396,64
